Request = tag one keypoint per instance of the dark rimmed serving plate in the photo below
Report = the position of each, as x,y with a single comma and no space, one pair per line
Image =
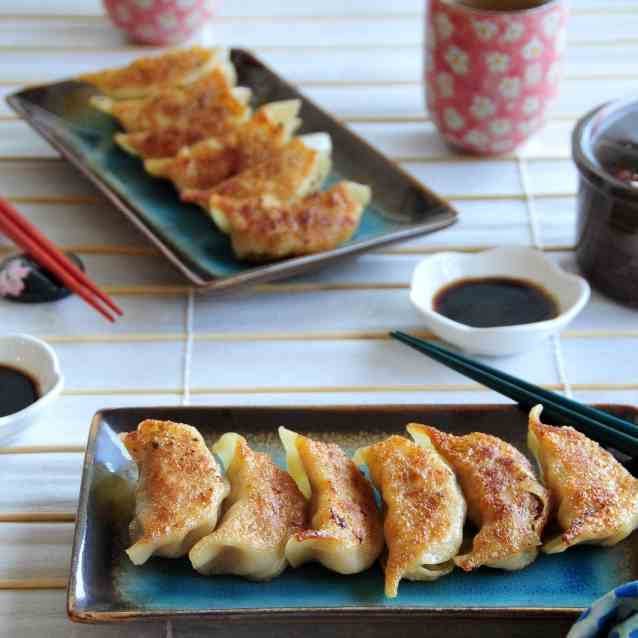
401,207
542,600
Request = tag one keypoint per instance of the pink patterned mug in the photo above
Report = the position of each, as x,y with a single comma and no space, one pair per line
160,22
490,74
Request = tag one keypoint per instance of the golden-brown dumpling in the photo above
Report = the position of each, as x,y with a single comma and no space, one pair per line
504,499
266,229
202,165
424,509
214,159
262,511
346,533
295,170
180,108
167,142
179,491
595,498
151,74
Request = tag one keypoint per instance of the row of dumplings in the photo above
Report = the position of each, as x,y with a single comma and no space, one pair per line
184,116
255,518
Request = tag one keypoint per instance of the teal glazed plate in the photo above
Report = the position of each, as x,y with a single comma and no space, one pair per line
401,207
542,600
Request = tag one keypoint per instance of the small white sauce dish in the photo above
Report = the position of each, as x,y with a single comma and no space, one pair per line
433,274
39,361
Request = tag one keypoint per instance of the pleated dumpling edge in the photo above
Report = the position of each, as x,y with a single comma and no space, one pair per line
424,510
506,502
179,491
345,532
264,508
595,498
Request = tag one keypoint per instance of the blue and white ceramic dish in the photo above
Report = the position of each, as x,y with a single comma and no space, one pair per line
543,600
615,615
401,207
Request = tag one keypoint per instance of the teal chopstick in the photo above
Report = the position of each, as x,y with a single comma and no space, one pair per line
597,424
599,415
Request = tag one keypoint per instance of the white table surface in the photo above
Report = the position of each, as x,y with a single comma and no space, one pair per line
319,339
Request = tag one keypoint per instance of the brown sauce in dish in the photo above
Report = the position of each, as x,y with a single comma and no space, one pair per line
491,302
17,390
502,5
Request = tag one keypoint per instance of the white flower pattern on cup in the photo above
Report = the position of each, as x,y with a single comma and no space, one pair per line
498,62
554,73
510,87
430,38
193,20
445,84
458,60
482,107
534,74
533,49
167,21
476,138
551,24
500,127
514,32
444,25
485,29
528,127
531,104
122,13
453,119
502,146
148,31
510,63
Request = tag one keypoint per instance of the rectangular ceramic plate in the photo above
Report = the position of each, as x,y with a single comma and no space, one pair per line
401,207
106,587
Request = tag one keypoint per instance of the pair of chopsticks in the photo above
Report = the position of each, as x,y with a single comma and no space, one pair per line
30,239
596,424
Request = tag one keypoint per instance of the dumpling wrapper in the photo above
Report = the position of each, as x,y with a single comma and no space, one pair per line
265,229
294,171
424,509
262,511
194,105
504,498
151,74
595,498
346,532
179,491
215,159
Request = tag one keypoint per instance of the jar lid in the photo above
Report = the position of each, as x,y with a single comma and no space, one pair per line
606,140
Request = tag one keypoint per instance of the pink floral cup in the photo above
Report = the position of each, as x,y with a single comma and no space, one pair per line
490,75
160,22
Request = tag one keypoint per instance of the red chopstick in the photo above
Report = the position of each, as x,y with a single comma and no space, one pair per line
25,235
45,260
8,211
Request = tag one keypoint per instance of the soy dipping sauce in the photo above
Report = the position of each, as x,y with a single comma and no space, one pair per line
502,5
491,302
17,390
